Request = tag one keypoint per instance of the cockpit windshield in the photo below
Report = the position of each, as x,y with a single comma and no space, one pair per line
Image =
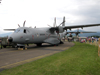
21,31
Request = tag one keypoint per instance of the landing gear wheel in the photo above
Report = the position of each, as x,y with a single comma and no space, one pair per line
55,44
4,46
61,42
13,46
39,44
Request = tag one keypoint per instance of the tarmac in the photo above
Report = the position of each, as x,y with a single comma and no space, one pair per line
12,57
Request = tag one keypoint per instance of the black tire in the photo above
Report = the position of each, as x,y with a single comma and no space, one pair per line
4,46
39,44
61,42
13,46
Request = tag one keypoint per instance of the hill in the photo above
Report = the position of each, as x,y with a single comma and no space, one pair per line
5,34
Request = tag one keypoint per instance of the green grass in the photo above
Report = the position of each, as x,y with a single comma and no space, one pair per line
81,59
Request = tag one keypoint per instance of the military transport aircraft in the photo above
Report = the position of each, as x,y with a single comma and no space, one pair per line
78,32
51,35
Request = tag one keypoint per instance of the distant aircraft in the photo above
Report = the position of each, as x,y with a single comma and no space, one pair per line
78,32
52,35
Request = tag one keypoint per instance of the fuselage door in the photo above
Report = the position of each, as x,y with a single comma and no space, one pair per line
26,35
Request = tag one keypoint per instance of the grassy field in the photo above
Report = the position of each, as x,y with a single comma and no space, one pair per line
81,59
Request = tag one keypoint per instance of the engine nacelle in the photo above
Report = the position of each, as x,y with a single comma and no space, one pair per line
60,29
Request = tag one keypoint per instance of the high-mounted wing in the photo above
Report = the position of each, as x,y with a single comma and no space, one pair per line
80,26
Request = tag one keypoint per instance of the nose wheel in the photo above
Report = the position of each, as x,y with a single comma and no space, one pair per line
21,46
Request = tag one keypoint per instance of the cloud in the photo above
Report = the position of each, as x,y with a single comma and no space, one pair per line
42,12
83,11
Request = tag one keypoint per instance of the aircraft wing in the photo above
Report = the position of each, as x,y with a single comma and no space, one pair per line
9,29
80,26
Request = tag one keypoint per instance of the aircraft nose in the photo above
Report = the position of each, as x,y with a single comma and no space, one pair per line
10,39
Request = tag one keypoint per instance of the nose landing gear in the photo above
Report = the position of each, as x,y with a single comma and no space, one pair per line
21,47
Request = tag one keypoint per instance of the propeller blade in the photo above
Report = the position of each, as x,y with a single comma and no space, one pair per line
24,23
63,23
18,25
49,25
54,22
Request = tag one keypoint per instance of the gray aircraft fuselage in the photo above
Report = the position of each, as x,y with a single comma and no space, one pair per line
26,35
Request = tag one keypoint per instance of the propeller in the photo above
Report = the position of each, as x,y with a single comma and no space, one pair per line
54,25
59,29
49,26
15,29
63,23
24,23
18,25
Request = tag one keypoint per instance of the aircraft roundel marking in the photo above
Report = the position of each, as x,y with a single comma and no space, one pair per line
33,36
21,37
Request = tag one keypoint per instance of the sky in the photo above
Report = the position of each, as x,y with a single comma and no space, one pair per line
41,13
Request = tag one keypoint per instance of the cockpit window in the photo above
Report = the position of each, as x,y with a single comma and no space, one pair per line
24,30
19,31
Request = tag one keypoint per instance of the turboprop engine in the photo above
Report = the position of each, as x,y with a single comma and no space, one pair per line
60,29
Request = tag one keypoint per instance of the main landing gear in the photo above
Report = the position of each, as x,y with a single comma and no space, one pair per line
39,44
